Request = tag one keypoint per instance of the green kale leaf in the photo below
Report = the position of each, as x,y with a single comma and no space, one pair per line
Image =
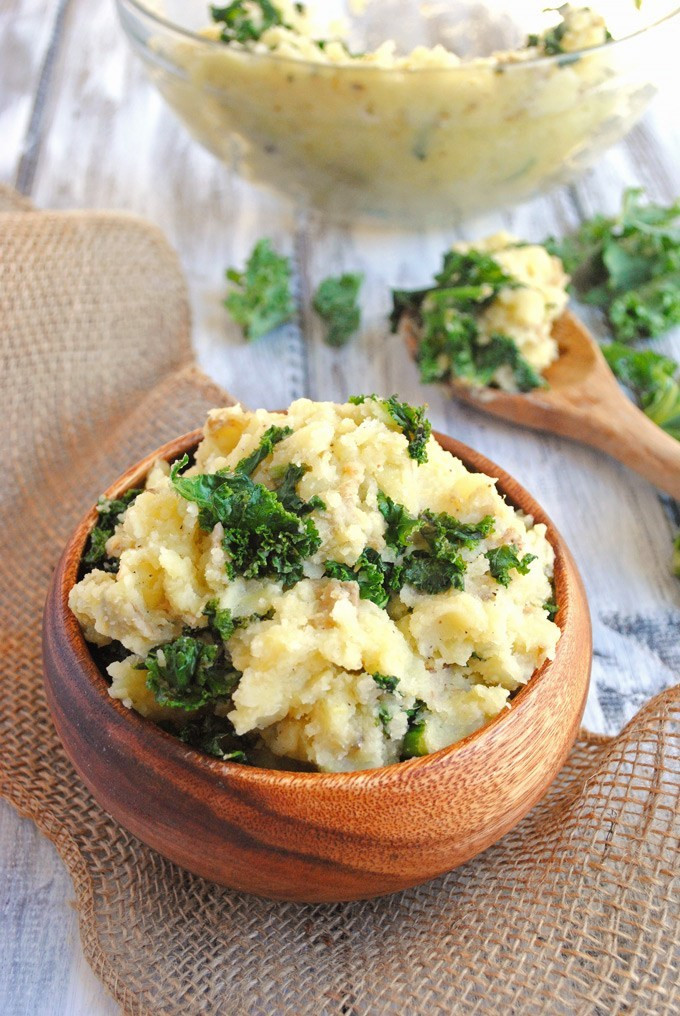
262,299
410,419
336,302
215,736
246,20
189,672
271,437
628,265
551,608
377,579
400,526
653,379
433,575
95,555
261,538
413,745
220,620
286,491
386,682
503,559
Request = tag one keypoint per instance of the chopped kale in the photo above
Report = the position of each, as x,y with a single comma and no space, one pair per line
653,379
450,344
286,491
246,20
550,42
271,437
445,534
261,538
413,745
552,609
377,579
336,302
433,575
190,672
95,555
503,559
628,265
386,682
399,524
220,620
410,419
215,736
384,719
262,298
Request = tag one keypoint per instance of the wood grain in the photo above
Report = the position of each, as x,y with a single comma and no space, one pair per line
583,401
317,837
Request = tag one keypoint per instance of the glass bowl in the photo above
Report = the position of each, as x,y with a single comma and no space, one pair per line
422,145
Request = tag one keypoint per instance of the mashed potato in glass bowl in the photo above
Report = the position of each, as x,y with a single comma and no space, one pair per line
326,587
415,111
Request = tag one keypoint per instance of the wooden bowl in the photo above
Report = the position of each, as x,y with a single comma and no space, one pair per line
317,837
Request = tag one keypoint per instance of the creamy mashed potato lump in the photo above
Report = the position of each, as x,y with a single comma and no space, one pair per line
327,677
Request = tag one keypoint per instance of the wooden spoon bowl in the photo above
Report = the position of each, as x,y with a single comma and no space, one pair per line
317,836
583,401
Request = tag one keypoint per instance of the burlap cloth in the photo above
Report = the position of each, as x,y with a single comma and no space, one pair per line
576,911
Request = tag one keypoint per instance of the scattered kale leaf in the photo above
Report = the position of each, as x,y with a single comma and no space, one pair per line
413,745
190,672
238,23
377,579
628,265
271,437
653,379
384,719
95,555
286,491
220,620
503,559
386,682
336,302
262,299
433,575
410,419
215,736
261,538
450,344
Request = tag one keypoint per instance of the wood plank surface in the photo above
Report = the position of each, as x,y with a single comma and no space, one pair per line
81,127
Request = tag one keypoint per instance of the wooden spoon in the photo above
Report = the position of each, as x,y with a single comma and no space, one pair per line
583,401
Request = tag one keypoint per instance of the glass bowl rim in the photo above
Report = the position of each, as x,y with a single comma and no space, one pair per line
141,8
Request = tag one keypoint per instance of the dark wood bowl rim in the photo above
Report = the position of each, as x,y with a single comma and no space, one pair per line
163,742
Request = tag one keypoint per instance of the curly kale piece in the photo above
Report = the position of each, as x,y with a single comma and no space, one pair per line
95,555
286,491
246,20
377,579
386,682
413,745
336,302
261,538
400,526
190,672
628,265
262,299
551,607
215,736
653,379
410,419
503,559
271,437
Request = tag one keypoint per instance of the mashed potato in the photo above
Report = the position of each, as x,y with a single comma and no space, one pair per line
416,136
323,674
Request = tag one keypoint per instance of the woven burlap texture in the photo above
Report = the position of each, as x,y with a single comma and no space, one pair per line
576,911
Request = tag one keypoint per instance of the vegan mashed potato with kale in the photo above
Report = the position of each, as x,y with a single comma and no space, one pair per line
328,585
420,134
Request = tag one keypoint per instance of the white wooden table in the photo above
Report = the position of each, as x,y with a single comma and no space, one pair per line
81,128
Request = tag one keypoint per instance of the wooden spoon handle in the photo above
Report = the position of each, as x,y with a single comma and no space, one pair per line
624,432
